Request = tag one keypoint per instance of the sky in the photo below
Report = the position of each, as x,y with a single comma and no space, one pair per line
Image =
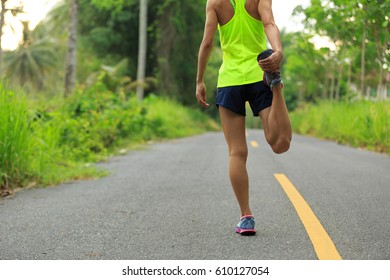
37,9
283,9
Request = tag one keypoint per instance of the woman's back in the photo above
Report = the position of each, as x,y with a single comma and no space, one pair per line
242,38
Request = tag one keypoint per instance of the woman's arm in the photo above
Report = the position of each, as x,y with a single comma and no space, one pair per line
205,50
273,62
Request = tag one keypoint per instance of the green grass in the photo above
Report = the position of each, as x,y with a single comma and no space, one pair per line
15,143
360,124
29,147
46,142
166,119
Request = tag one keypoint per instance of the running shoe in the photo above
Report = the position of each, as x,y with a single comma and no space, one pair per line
270,78
246,226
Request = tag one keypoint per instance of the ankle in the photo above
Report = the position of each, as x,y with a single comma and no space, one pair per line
246,213
277,87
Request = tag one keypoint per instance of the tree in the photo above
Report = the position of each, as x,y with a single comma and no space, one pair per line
180,29
116,6
363,58
304,69
30,63
15,10
142,47
378,24
71,58
349,23
108,32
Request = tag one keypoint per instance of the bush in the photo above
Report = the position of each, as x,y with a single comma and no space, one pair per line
28,146
360,124
47,146
97,119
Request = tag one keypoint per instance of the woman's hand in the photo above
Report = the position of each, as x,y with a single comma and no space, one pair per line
271,63
201,94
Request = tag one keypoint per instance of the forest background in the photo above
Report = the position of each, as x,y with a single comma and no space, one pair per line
97,77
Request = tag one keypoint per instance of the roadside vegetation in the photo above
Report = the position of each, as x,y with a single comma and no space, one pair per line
362,124
48,143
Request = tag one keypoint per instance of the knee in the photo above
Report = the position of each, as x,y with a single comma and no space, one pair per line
281,146
239,153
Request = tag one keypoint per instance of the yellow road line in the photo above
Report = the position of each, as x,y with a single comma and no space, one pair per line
323,245
254,144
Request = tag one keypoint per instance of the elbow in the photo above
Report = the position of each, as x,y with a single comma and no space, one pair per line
269,25
207,44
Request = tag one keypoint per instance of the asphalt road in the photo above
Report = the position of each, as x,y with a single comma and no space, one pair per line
173,200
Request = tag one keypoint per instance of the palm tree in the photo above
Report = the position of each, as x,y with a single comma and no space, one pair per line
142,45
31,61
15,10
71,58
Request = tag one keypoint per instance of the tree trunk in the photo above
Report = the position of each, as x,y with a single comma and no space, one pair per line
363,61
339,78
349,90
381,48
71,58
2,13
142,48
325,88
368,93
333,82
165,45
379,94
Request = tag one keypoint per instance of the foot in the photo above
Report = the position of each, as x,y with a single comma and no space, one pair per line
270,78
246,226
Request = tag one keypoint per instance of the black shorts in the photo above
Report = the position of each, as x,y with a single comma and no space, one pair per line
258,94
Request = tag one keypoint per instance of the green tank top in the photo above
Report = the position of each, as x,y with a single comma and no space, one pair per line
242,39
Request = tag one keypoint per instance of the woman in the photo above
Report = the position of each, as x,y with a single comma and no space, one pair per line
244,26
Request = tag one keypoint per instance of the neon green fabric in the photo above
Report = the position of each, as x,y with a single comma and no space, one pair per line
242,39
233,3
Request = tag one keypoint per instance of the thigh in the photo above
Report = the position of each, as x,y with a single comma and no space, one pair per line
264,118
234,129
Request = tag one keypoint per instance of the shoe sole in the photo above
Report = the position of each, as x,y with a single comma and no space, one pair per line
247,232
264,54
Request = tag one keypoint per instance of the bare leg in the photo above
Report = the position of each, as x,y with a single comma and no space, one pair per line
234,129
276,122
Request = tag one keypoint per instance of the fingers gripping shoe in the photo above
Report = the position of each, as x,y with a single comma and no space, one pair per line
246,226
270,78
